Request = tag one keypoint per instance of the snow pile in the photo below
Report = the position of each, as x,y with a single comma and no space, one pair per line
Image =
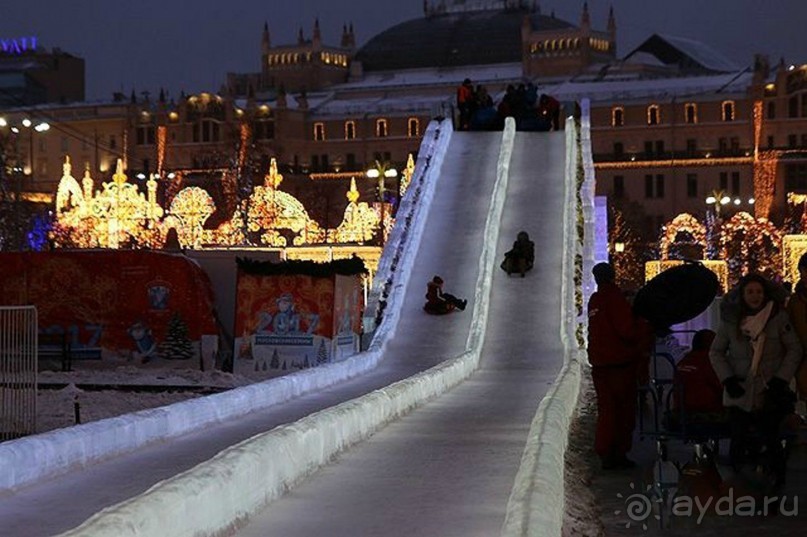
536,504
221,493
36,457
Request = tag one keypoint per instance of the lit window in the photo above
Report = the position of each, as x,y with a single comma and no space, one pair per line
691,112
653,115
413,127
381,128
728,110
350,130
319,132
617,116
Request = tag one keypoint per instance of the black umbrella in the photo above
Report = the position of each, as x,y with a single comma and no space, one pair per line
676,295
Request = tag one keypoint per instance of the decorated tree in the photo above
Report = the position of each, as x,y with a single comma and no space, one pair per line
177,345
629,263
322,353
275,361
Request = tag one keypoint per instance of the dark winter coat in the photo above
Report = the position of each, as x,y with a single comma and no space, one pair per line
614,334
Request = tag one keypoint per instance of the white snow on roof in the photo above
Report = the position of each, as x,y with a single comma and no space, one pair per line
628,89
701,53
644,58
479,74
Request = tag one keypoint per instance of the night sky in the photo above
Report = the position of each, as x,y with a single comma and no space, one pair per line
190,46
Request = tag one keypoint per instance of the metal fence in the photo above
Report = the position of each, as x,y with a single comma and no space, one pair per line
18,369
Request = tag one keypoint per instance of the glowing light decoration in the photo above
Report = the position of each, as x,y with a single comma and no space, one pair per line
271,210
188,213
765,163
359,223
751,245
720,268
793,247
118,215
162,136
406,175
245,136
683,223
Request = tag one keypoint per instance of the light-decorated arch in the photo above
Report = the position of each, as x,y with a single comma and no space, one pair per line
751,245
683,223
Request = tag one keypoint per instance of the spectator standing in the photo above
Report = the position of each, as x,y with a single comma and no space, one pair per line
465,103
549,109
614,352
755,354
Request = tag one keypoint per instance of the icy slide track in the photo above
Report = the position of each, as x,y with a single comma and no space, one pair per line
549,416
143,468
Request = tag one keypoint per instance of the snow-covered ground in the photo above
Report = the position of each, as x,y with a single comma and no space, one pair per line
56,407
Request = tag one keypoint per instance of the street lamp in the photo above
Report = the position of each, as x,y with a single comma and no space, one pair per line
382,172
718,198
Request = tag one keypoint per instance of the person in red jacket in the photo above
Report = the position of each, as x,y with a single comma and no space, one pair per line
614,352
439,303
701,389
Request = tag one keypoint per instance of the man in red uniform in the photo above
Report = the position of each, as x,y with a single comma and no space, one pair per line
614,352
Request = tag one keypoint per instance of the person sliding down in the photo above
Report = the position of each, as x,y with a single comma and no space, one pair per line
439,303
521,257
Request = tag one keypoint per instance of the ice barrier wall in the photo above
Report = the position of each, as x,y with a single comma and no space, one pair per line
220,494
41,456
536,506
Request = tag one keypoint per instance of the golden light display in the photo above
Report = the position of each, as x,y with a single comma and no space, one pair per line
188,213
406,175
272,210
119,214
765,163
669,163
162,136
359,222
793,247
683,223
720,268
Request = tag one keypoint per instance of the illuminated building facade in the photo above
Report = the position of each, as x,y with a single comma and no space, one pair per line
671,121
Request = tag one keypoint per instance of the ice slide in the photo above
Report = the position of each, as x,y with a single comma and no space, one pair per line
448,468
450,246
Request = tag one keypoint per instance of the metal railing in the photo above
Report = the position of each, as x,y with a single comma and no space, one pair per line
18,370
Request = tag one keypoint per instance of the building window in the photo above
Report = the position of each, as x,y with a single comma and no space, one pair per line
264,130
792,141
659,147
619,150
692,147
691,112
722,145
617,116
323,162
648,186
660,186
413,127
314,163
648,148
771,143
350,130
692,185
793,107
653,114
145,135
735,183
724,181
205,131
735,145
728,110
796,178
803,141
771,110
350,161
619,186
319,132
381,126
